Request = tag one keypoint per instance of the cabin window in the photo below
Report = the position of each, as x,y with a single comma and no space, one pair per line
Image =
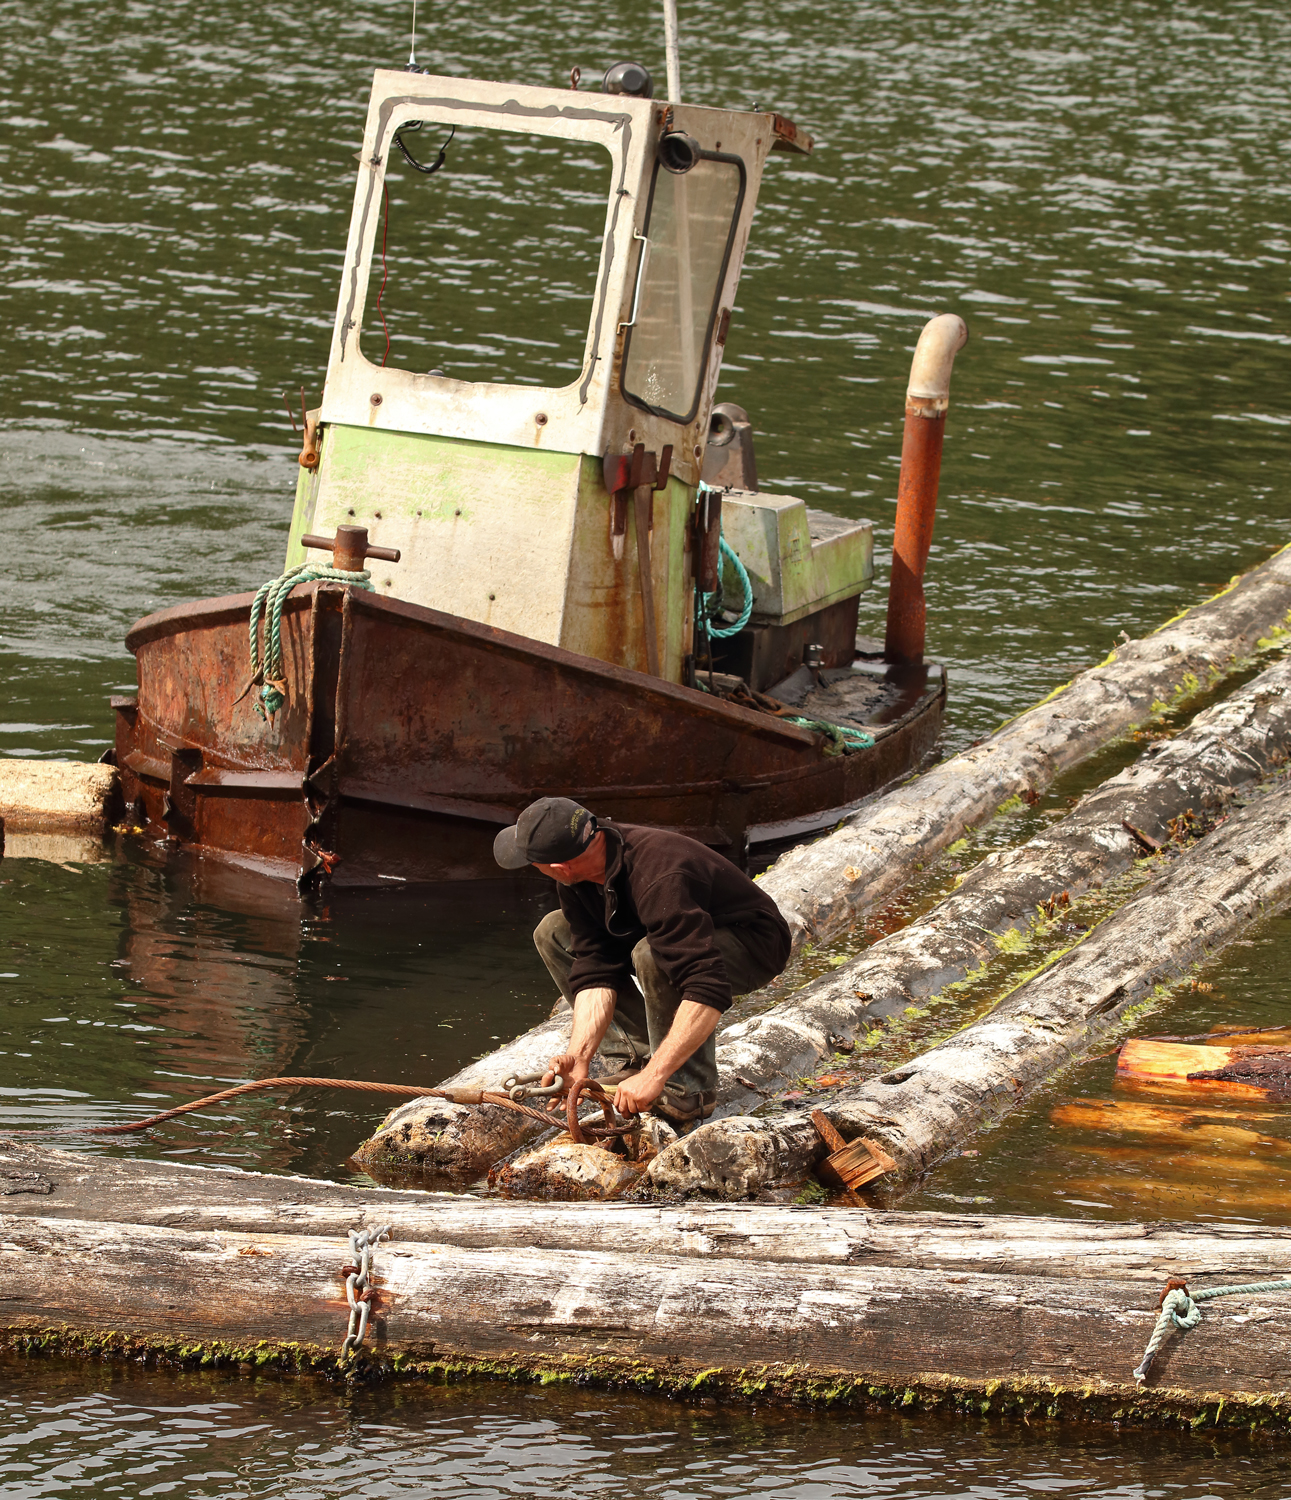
689,231
489,266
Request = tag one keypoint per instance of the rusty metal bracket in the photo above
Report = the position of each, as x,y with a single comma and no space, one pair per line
638,474
786,136
350,548
309,443
179,800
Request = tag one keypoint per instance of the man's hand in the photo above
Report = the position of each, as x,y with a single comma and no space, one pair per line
635,1095
593,1012
691,1027
570,1069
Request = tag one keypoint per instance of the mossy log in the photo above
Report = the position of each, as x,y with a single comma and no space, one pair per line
828,1306
822,887
1224,750
924,1108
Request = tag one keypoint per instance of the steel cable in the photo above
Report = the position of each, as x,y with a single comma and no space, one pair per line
582,1131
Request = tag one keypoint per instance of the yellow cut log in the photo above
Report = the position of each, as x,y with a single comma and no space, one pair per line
1165,1198
55,796
1258,1072
1199,1166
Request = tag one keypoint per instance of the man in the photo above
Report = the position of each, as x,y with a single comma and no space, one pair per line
639,902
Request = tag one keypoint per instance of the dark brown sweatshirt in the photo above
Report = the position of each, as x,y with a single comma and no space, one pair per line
674,892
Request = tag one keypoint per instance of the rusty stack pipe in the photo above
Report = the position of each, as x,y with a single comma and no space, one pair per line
926,402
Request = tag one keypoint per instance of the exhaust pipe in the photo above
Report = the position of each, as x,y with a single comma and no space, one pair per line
927,399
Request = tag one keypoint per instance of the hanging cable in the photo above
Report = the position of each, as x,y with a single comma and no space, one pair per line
411,128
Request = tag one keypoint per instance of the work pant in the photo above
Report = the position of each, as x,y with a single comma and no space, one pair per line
642,1018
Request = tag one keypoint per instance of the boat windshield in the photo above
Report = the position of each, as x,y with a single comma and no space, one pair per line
484,269
690,227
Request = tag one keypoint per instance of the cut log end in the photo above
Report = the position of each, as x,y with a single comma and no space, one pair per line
442,1142
1258,1072
850,1164
42,797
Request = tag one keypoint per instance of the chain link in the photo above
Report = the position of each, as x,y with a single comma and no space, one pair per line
358,1284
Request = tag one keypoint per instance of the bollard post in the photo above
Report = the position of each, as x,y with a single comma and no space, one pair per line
926,403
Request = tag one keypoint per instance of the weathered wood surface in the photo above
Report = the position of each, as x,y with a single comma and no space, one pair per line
452,1143
220,1266
506,1305
1226,749
822,887
920,1110
37,1182
55,797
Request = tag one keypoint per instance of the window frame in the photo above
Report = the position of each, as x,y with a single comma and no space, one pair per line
714,312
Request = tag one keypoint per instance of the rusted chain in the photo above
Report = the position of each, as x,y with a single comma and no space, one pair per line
584,1132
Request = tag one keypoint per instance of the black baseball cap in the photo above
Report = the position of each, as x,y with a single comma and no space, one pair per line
549,832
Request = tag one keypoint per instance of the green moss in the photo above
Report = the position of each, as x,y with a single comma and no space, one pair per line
1014,940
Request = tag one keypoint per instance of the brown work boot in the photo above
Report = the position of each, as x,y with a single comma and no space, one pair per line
685,1110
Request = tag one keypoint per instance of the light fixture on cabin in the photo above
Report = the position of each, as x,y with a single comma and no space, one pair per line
628,78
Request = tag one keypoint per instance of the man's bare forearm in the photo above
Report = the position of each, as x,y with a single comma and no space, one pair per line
691,1027
593,1012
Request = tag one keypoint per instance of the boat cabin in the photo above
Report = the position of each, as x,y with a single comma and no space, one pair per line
536,294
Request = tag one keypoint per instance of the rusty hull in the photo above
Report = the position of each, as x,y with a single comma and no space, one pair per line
409,736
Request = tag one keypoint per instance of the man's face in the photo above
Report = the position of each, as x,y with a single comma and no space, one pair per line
589,865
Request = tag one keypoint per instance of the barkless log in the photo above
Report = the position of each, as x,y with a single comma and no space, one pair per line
821,887
922,1109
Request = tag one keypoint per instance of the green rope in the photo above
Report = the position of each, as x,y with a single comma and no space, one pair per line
842,738
267,674
1179,1310
712,604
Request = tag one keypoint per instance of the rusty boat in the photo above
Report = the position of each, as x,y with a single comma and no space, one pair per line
572,588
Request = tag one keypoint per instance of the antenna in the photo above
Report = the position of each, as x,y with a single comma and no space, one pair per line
671,49
412,40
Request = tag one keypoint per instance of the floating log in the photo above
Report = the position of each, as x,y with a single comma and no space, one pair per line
54,797
54,1184
839,1307
443,1141
1225,749
1258,1072
821,887
921,1110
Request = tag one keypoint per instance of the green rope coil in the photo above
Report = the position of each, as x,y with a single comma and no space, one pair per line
1179,1310
712,603
843,739
266,671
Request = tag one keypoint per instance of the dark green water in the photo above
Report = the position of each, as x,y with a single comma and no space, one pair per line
1102,191
120,1432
